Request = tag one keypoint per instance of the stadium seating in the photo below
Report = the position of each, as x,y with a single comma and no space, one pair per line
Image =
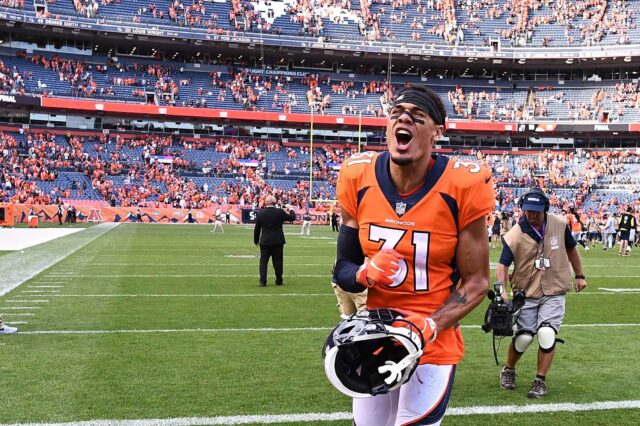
454,23
44,168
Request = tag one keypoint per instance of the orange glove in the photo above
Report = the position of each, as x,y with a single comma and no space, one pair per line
425,325
380,269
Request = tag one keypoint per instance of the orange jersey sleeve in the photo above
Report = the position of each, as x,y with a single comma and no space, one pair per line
474,188
422,226
352,173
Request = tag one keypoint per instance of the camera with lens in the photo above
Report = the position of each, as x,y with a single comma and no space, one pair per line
499,317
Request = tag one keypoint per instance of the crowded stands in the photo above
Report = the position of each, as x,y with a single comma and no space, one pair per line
429,23
160,171
239,88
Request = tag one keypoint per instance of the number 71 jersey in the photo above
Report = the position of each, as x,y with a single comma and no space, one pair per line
423,226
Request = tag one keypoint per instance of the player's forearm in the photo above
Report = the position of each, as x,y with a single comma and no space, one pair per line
462,301
472,257
348,259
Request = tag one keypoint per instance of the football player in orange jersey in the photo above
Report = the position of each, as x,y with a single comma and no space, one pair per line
414,233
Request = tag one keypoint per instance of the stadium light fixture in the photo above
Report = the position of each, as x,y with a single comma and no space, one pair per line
522,61
569,61
627,58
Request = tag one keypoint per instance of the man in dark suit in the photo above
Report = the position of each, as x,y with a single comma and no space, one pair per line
334,222
269,235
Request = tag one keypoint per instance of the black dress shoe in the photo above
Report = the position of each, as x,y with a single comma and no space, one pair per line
262,284
279,283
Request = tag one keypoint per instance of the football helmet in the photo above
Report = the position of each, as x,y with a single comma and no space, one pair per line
365,355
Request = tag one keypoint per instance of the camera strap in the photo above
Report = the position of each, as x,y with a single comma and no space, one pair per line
495,350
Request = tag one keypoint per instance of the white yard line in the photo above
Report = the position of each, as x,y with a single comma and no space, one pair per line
339,416
265,329
18,308
16,268
620,290
46,286
28,301
17,315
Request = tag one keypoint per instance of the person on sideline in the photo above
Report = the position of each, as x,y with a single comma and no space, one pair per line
5,329
543,251
626,224
268,233
495,230
609,231
414,234
334,222
218,221
306,223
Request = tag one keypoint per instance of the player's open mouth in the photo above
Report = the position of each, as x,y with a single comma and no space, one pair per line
403,136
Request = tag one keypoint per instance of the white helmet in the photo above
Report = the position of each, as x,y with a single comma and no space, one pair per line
365,356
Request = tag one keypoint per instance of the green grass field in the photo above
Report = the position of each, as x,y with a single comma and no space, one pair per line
168,321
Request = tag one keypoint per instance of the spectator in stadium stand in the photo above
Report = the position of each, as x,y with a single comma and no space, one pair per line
626,224
138,216
269,235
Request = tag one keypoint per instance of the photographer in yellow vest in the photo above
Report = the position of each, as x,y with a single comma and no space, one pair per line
543,253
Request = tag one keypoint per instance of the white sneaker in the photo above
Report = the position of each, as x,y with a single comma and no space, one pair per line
586,248
8,330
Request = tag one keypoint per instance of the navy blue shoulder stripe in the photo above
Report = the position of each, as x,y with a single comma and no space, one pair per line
453,206
361,193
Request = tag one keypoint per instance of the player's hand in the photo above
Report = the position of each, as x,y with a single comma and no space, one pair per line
424,325
380,269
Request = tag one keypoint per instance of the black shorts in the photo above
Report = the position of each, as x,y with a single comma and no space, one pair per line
624,235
